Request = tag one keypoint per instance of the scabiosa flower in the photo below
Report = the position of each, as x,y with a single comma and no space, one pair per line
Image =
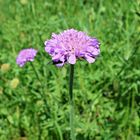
25,55
71,45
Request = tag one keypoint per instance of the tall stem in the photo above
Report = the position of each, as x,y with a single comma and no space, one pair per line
36,73
42,89
72,132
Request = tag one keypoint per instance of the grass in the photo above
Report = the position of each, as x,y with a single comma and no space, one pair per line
107,99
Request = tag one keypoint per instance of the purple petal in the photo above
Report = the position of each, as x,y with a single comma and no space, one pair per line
56,57
62,58
72,59
60,64
94,51
47,49
89,59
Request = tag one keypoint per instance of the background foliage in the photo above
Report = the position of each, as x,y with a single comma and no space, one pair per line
107,93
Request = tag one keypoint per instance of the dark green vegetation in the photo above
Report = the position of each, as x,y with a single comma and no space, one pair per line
107,93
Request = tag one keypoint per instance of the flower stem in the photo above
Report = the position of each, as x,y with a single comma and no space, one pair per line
72,131
42,89
36,73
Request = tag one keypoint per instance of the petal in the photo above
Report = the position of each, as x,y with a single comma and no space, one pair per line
62,58
89,59
47,49
95,51
95,42
54,35
45,43
60,64
72,59
56,57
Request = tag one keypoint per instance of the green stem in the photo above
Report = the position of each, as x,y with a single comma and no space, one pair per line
36,73
58,126
72,132
42,89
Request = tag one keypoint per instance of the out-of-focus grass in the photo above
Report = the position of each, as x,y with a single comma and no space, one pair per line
107,93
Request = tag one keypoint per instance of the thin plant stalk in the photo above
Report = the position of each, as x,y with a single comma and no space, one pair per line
72,127
43,96
42,88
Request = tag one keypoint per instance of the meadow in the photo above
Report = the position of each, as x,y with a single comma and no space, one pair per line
106,93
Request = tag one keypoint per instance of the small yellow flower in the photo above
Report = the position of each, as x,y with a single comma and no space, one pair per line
5,67
14,83
40,103
23,2
1,90
23,138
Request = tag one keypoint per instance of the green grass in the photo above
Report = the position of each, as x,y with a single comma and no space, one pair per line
107,93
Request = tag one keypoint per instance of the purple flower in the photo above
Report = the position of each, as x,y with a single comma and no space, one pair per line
70,45
25,55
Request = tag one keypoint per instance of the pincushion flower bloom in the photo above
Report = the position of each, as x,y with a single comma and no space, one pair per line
71,45
25,55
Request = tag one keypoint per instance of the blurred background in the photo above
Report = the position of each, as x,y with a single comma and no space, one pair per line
107,93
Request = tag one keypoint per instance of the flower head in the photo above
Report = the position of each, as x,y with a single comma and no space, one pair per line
25,55
71,45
